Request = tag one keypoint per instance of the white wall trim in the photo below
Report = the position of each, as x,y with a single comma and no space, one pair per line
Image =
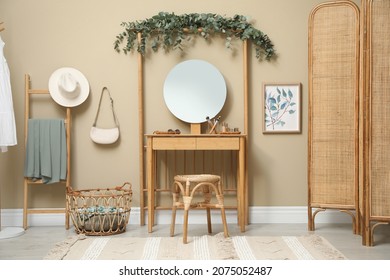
258,214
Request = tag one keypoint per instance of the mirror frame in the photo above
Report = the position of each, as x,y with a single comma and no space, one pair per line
194,90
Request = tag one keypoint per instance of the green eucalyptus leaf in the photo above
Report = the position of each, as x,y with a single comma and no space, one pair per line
171,26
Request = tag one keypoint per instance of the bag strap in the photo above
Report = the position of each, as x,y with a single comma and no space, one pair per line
112,107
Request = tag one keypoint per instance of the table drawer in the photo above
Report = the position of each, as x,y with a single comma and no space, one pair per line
214,143
174,143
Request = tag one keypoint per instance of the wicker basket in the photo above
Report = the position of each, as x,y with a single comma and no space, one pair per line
100,211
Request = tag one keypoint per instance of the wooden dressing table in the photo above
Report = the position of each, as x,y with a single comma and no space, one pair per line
215,142
190,142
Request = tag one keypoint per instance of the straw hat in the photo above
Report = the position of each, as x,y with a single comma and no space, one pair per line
68,87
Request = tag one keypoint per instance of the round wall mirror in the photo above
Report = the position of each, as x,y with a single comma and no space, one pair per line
194,90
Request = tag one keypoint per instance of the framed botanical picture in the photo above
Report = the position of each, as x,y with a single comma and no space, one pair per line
282,108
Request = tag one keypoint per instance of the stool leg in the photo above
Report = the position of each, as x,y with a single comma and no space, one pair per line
187,204
185,226
173,220
225,228
175,198
206,202
209,220
223,214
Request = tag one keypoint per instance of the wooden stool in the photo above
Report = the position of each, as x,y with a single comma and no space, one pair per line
187,185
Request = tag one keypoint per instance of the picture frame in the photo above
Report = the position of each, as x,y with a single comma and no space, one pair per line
281,108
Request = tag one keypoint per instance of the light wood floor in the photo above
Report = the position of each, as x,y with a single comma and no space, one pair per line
37,241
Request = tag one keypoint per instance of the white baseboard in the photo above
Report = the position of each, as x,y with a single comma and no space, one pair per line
257,215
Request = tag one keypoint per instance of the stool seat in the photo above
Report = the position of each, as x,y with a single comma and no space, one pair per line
184,189
198,178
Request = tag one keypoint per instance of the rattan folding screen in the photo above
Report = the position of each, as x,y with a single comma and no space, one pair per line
375,195
333,163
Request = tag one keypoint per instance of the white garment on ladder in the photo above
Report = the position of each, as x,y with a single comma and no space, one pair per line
7,116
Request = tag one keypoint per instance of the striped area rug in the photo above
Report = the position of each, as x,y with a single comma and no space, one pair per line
216,247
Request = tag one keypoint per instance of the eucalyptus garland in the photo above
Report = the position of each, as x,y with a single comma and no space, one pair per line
170,31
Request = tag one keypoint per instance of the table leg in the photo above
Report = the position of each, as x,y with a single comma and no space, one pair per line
150,187
241,192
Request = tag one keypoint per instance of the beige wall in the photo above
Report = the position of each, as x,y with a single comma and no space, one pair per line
43,35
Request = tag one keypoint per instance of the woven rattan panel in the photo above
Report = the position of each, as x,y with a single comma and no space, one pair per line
380,108
333,104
